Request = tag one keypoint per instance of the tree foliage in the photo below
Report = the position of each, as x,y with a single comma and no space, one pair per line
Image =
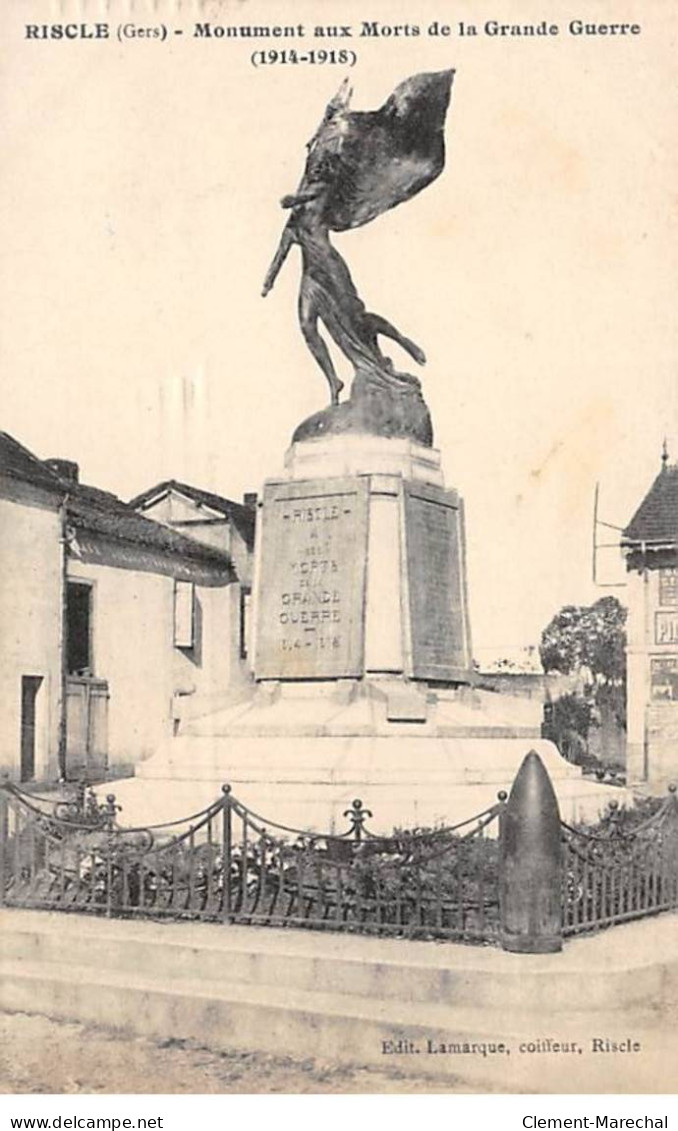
589,637
588,641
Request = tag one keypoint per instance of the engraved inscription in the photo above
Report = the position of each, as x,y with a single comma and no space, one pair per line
312,580
439,645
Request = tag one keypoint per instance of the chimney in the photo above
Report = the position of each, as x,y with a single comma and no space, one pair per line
250,499
66,469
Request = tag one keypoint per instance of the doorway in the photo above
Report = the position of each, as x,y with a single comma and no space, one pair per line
30,685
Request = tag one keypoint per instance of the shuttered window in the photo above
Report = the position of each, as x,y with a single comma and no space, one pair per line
184,614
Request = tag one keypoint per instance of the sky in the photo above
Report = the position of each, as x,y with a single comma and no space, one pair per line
139,211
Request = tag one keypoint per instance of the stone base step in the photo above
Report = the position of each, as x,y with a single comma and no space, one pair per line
501,1048
375,1002
417,973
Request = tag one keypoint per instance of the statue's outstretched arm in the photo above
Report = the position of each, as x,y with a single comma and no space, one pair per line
288,237
282,251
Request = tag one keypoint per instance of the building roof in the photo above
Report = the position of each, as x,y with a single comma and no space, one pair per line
100,512
242,517
17,462
656,520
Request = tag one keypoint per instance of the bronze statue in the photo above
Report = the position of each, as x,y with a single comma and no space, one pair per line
358,166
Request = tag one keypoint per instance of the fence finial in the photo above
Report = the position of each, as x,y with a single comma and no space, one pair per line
530,866
357,815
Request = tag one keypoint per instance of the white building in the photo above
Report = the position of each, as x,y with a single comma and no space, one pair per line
650,545
230,527
109,622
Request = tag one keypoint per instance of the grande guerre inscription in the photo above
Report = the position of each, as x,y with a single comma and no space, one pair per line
310,617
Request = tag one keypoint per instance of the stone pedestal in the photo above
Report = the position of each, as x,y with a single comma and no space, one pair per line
362,684
361,566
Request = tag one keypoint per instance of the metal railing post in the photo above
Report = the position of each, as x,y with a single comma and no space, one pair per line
226,852
109,878
530,871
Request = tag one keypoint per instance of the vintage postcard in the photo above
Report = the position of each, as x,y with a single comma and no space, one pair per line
339,536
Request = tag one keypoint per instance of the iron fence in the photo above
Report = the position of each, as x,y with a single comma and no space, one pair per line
226,864
435,884
73,856
620,872
480,881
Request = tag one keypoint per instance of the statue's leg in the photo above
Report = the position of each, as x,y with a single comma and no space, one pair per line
382,326
308,320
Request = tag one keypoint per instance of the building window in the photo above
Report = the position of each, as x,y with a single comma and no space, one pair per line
78,628
245,601
184,614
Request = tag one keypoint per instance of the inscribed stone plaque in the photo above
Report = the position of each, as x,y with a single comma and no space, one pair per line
310,615
437,585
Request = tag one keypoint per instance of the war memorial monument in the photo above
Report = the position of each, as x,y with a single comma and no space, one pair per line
362,663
